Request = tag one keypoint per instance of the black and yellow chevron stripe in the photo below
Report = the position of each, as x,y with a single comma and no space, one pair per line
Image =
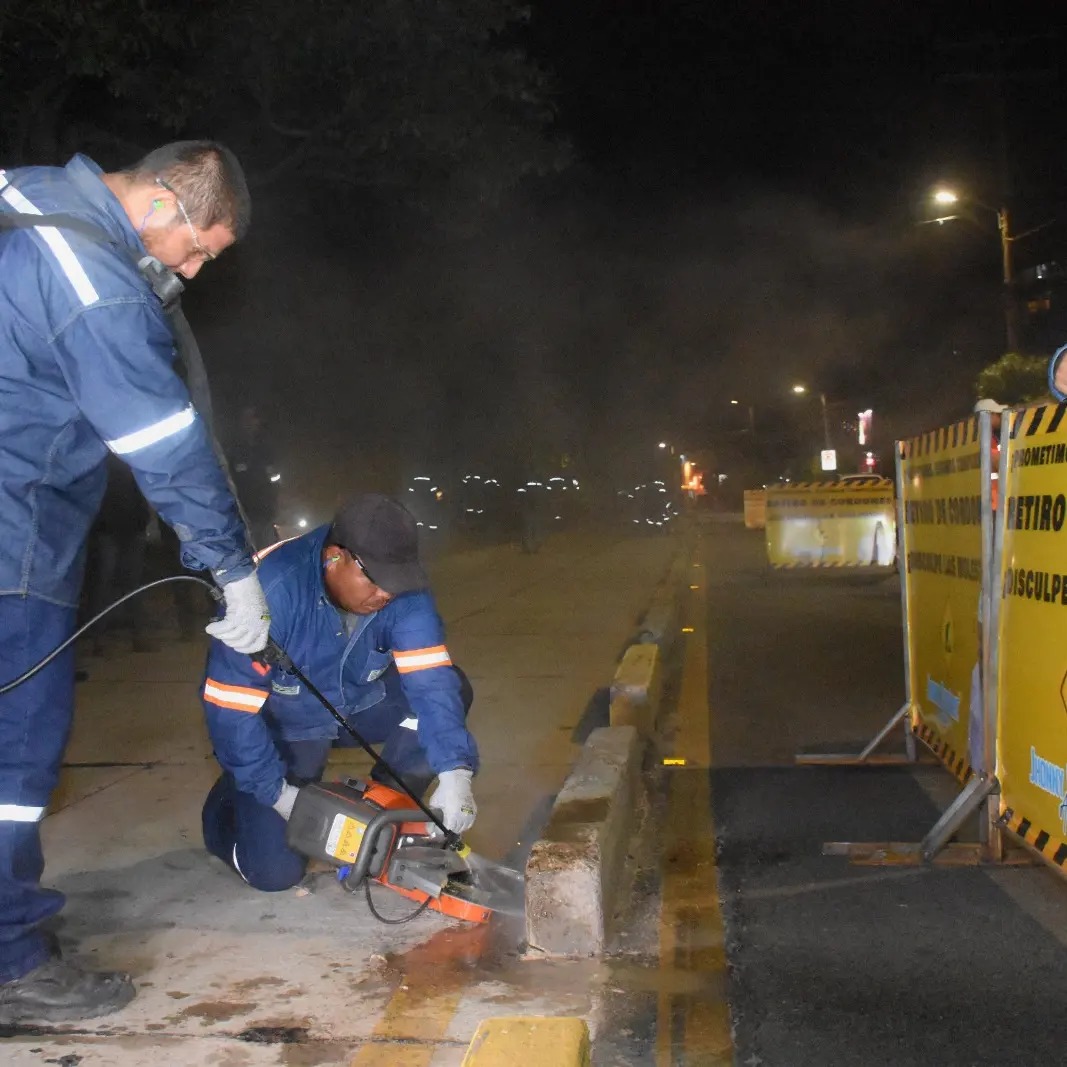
957,435
808,564
1051,848
1035,421
954,763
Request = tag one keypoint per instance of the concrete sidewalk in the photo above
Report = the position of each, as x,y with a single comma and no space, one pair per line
232,977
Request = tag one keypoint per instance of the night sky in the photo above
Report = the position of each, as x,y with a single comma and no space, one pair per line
739,209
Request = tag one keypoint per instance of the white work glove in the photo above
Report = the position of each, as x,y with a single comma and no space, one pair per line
286,799
454,800
246,623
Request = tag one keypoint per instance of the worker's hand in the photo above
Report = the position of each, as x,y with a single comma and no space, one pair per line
454,800
286,799
246,623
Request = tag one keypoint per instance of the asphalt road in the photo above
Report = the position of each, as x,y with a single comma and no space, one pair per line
827,962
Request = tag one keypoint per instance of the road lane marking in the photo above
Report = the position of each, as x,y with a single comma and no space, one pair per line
410,1016
434,976
693,1025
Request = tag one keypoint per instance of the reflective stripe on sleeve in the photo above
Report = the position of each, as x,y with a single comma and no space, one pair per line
409,724
57,243
150,435
20,813
419,659
235,697
263,553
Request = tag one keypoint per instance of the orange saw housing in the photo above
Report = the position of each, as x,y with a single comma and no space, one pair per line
362,828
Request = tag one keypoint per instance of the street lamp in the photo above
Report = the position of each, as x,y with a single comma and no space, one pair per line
801,389
946,198
751,415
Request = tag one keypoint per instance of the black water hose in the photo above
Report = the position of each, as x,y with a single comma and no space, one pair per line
399,920
41,664
273,653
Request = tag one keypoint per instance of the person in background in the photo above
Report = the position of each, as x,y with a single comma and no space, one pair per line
1057,374
116,559
256,477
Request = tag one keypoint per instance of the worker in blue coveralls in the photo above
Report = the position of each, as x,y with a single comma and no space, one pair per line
350,604
86,368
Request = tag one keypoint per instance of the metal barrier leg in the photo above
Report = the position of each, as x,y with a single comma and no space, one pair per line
936,847
868,756
909,743
972,797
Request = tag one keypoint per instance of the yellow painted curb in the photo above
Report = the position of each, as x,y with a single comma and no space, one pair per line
529,1041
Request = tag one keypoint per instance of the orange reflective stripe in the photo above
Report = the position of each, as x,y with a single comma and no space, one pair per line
235,697
263,553
421,659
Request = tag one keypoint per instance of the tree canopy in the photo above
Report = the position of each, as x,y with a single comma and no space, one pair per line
413,100
1014,379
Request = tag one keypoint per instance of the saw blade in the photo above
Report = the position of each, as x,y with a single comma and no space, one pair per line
494,886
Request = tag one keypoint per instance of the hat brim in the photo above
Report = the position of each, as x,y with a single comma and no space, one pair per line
396,578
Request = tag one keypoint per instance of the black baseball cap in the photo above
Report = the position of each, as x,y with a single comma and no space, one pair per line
383,534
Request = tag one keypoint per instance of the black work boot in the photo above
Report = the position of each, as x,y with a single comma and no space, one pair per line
58,992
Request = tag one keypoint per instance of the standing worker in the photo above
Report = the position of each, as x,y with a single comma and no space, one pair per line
86,367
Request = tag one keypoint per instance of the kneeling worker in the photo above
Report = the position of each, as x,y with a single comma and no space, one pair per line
350,605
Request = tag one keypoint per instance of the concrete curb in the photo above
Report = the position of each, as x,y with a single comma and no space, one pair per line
575,869
529,1041
659,624
635,689
572,874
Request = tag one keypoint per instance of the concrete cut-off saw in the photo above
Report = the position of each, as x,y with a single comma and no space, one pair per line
373,834
376,834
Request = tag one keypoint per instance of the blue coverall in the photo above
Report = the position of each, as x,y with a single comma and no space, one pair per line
389,673
86,366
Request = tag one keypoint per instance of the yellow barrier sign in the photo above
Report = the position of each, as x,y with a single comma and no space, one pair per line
1032,630
832,524
942,497
755,509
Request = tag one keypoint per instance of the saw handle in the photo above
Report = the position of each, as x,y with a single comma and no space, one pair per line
273,655
357,873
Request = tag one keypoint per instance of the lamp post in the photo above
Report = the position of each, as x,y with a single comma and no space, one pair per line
751,416
947,198
828,443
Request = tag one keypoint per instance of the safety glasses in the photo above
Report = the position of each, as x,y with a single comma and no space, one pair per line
205,254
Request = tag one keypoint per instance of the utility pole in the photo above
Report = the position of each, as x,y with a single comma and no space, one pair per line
825,422
1011,308
997,75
